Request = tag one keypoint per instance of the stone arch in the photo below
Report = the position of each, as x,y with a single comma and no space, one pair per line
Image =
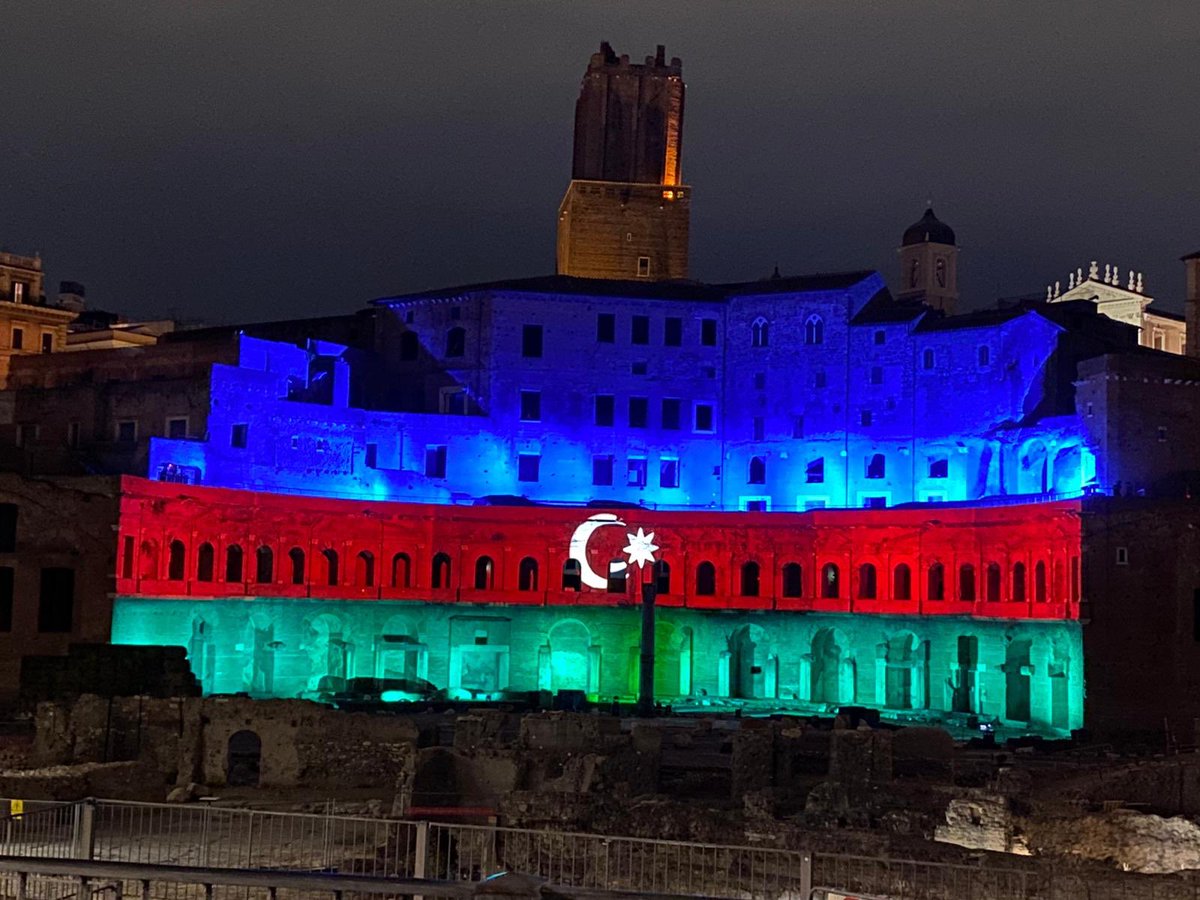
1068,470
440,571
901,680
485,573
527,574
572,575
296,558
831,669
364,569
329,653
243,759
750,665
569,661
1018,669
259,646
401,570
264,565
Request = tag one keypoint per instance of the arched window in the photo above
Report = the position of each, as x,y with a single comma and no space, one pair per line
831,587
331,566
902,582
966,582
936,589
410,347
175,560
264,565
365,565
814,330
618,569
456,342
148,560
1018,583
662,577
706,579
1039,582
993,582
1059,594
758,470
750,579
793,580
866,582
527,575
401,570
296,556
572,575
485,573
758,332
233,563
440,571
205,562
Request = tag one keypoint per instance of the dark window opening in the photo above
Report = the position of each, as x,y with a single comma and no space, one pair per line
639,330
750,579
606,328
176,560
902,582
706,579
264,565
485,573
937,582
528,466
867,587
332,575
572,575
456,342
6,598
602,470
531,341
56,601
831,587
440,571
604,409
233,563
673,332
639,412
670,414
966,582
708,332
238,435
527,575
296,557
206,561
793,580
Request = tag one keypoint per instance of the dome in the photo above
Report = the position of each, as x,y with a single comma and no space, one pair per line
930,230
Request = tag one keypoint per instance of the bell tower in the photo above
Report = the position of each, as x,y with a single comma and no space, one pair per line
929,264
626,212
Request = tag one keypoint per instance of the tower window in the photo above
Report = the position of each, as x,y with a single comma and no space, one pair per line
673,332
643,267
708,332
704,417
636,471
531,406
604,409
528,466
639,330
876,466
531,341
602,470
670,414
814,471
638,412
606,328
814,330
758,470
758,332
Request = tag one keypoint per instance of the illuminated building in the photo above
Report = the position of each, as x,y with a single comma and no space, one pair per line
27,323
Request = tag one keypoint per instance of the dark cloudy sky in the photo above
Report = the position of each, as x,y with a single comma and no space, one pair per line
229,162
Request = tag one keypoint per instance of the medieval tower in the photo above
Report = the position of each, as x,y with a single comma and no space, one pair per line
929,263
626,212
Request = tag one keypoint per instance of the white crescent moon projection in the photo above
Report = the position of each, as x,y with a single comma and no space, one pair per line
578,549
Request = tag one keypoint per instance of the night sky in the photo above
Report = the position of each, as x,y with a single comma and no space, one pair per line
230,162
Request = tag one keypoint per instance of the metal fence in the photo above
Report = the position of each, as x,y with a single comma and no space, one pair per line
244,839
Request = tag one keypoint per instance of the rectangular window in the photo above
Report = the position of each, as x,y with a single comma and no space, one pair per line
638,368
604,409
455,313
668,472
452,401
876,374
8,527
819,380
814,471
6,598
47,342
238,435
755,504
670,414
710,372
531,406
1162,434
528,465
371,457
177,428
1122,556
127,432
56,601
708,332
673,332
815,503
939,467
606,328
531,341
18,338
798,426
874,502
639,330
760,428
880,337
18,292
27,435
865,417
760,381
638,412
643,267
73,434
602,470
435,461
636,472
704,417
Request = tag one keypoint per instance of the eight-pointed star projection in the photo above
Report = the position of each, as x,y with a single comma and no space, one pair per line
641,547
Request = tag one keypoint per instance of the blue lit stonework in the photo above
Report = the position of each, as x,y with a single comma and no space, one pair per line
782,394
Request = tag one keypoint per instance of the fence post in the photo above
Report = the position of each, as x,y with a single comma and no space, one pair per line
420,853
806,885
85,829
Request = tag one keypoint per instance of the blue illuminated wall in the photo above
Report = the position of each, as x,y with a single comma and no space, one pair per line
831,396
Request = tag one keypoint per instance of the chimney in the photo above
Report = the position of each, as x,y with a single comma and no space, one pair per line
1192,304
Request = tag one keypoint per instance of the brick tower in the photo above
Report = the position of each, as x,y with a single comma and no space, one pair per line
626,212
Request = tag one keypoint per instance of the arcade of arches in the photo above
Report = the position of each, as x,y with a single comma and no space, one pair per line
1028,674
